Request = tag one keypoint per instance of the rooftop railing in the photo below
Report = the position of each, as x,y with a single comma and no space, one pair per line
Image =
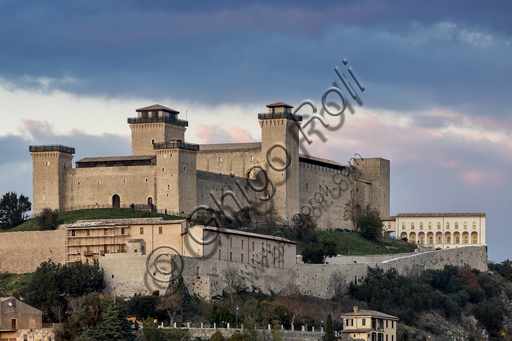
52,148
287,115
171,120
176,144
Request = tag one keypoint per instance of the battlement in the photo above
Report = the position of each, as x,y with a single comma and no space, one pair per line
176,144
287,115
52,148
158,119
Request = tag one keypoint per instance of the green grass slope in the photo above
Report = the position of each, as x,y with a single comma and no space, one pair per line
95,213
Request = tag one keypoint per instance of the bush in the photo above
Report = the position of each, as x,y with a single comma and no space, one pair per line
236,337
217,336
47,220
313,253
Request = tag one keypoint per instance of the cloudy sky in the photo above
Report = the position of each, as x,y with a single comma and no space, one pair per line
437,101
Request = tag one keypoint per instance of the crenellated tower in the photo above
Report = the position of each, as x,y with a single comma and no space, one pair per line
280,150
155,124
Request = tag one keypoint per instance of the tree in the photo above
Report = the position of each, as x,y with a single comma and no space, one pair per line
370,224
171,304
236,337
337,285
47,219
113,325
12,209
217,336
352,212
236,284
142,306
313,253
151,332
329,329
78,279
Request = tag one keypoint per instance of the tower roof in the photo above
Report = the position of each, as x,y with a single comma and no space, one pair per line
279,104
157,107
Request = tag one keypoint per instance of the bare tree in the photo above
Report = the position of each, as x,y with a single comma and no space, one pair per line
171,303
291,298
337,285
58,311
75,303
235,282
352,213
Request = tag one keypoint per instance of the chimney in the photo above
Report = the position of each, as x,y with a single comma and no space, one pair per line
355,310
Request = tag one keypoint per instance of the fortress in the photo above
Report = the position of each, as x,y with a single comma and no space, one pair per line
168,174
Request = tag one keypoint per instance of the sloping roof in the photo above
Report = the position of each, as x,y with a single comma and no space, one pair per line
318,160
279,104
157,107
117,158
371,313
453,214
243,233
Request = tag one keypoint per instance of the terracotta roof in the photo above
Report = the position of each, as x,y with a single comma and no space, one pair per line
157,107
371,313
117,158
279,104
453,214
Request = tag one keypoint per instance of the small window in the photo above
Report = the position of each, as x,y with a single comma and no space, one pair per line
99,182
152,141
465,225
274,251
142,230
242,257
124,181
421,226
274,263
220,254
412,226
387,323
146,180
78,183
448,240
160,230
363,322
231,256
167,195
242,243
220,240
430,226
184,169
220,158
47,163
262,247
456,225
306,186
438,226
253,246
474,225
475,239
122,230
403,226
72,233
168,187
465,240
163,169
88,232
447,226
105,232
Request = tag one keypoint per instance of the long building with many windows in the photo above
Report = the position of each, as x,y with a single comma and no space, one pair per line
440,230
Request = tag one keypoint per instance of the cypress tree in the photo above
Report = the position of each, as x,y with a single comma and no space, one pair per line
329,329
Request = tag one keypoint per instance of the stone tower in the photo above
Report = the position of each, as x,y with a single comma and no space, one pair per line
155,124
280,152
49,165
176,176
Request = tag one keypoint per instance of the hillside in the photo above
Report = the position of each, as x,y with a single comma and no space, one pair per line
97,213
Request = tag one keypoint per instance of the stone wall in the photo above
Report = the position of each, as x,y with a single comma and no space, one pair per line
287,335
22,252
126,274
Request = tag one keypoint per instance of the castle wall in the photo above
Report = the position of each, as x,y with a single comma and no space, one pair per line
22,252
377,172
126,274
97,185
231,159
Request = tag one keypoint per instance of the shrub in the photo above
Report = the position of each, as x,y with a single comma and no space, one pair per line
217,336
47,220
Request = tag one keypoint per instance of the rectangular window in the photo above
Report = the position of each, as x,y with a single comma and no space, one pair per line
262,247
274,263
231,256
253,246
392,324
160,230
363,322
122,231
283,265
242,243
220,254
274,251
72,233
142,230
386,323
199,252
242,258
230,242
387,337
220,240
392,338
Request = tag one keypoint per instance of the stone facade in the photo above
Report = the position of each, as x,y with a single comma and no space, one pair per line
126,274
170,175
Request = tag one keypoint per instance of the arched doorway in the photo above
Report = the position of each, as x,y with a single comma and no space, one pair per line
150,201
116,201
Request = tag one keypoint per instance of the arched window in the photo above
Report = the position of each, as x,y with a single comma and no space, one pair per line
412,226
438,226
456,225
465,239
465,225
447,226
403,226
421,227
430,226
457,240
431,240
474,224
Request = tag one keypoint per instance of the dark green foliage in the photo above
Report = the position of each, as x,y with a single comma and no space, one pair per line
329,329
142,306
314,253
217,336
113,325
47,219
236,337
151,332
370,224
490,314
330,248
504,269
52,284
221,314
12,209
177,334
